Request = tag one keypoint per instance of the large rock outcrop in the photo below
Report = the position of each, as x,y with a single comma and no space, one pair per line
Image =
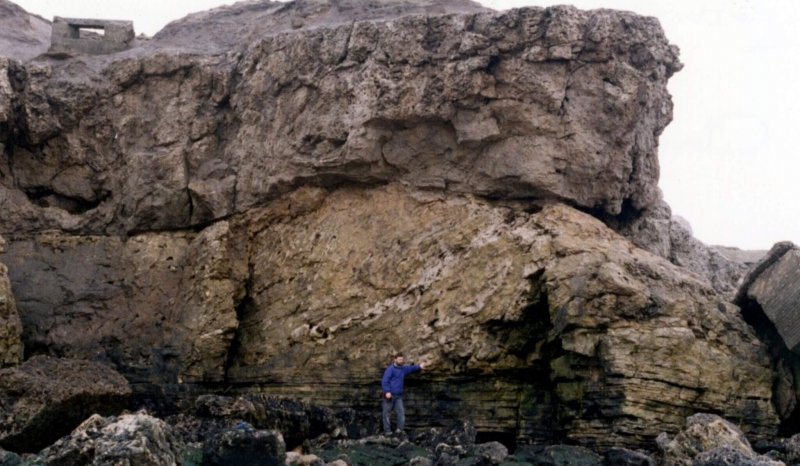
279,204
10,324
497,104
45,398
540,325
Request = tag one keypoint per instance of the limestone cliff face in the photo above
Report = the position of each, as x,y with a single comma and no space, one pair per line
280,205
497,104
542,326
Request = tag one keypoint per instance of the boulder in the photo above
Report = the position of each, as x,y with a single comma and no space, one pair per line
729,456
709,440
10,324
130,439
774,286
489,453
297,421
558,455
245,447
625,457
44,398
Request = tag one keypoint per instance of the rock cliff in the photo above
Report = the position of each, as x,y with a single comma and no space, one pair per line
275,197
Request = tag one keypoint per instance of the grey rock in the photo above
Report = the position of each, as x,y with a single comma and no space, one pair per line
710,440
566,455
420,461
774,284
239,447
625,457
730,456
44,398
8,458
130,439
472,101
490,453
655,229
296,420
23,36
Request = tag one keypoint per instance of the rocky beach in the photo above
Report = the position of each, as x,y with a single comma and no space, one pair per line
213,241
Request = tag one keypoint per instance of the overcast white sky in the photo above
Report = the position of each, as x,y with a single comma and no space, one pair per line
728,163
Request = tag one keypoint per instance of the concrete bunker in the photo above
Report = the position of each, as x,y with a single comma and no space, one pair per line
90,36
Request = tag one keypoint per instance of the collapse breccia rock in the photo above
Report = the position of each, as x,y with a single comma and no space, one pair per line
531,103
284,200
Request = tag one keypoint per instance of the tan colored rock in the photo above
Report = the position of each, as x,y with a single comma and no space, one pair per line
10,324
544,326
213,286
627,340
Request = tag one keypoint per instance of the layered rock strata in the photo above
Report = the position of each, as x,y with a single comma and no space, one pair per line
539,325
283,211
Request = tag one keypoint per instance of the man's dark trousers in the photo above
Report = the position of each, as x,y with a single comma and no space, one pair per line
396,404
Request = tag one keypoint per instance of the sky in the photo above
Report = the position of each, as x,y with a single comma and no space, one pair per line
728,161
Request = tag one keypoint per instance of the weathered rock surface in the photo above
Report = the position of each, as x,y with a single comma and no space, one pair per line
297,421
497,104
237,205
658,231
130,439
23,36
774,285
245,447
709,440
540,325
10,324
45,398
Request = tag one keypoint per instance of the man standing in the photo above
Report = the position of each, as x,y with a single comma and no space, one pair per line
392,386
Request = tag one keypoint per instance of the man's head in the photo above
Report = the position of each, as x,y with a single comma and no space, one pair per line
399,360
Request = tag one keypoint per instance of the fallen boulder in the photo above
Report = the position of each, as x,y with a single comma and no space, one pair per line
707,440
774,284
296,420
245,447
44,398
131,439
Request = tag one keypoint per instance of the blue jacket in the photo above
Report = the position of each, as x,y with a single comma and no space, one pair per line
392,380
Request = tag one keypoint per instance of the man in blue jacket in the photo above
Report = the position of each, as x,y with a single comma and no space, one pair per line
392,386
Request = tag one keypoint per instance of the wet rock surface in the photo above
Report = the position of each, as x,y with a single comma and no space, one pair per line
45,398
129,439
